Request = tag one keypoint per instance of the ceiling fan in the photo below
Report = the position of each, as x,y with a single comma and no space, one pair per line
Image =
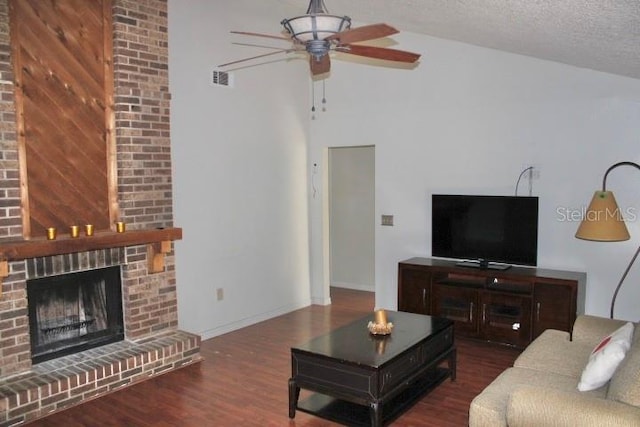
318,33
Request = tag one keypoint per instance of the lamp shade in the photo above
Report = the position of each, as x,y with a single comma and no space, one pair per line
603,220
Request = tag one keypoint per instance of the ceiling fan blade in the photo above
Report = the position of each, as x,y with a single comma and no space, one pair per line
379,53
320,65
263,46
367,32
261,35
258,56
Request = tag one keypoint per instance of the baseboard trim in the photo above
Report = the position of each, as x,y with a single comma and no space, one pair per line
354,286
249,321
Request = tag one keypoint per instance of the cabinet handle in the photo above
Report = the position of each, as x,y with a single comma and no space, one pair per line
537,311
484,313
470,312
424,297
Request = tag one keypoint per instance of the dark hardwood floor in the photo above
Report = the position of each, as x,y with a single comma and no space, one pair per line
243,379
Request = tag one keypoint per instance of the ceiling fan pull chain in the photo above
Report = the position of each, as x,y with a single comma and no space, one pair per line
324,98
313,100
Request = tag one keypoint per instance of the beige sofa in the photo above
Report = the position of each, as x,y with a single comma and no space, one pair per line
541,387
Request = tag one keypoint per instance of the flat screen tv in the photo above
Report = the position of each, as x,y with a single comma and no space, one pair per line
485,231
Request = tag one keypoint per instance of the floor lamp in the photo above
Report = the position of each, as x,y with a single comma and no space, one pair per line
603,222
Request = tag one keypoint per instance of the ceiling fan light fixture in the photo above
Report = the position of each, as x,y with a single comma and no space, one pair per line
317,24
315,27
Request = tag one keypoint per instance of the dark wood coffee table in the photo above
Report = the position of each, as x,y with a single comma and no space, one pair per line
361,379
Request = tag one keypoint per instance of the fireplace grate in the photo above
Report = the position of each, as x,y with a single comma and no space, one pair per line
64,326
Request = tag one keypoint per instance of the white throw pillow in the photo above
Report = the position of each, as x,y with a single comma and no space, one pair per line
605,358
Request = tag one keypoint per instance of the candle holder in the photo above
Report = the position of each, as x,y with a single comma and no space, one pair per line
88,229
381,326
51,233
74,230
120,227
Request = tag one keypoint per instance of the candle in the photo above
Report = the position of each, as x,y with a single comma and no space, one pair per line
381,317
51,233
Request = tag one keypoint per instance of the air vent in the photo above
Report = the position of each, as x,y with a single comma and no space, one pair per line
222,78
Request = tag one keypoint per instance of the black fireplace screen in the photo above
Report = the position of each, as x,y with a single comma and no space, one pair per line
73,312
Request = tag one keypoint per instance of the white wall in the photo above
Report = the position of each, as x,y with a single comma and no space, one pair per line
468,120
351,217
240,179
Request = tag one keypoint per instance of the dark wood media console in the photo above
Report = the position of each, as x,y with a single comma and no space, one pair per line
510,306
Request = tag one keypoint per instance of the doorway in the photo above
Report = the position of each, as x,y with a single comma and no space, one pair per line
352,217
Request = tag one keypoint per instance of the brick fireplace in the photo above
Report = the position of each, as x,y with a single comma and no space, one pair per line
152,343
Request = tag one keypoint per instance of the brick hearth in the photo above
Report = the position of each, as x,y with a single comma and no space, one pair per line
57,384
153,344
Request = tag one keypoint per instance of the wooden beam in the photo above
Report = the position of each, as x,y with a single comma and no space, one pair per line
19,249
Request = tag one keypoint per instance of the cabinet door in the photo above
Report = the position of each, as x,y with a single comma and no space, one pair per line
506,318
553,307
459,304
413,290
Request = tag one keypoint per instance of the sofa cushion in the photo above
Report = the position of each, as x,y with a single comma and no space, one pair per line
591,329
605,358
553,352
625,383
541,406
489,408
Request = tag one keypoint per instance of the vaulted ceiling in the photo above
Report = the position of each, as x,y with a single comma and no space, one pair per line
602,35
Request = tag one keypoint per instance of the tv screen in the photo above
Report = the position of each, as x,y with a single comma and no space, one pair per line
486,229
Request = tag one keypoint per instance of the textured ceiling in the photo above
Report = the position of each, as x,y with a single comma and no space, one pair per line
602,35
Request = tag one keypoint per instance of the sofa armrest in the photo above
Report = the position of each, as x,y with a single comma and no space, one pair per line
538,406
591,329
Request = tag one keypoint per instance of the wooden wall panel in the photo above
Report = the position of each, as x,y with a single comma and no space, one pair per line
60,49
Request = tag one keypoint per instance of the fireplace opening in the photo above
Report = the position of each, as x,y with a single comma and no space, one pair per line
74,312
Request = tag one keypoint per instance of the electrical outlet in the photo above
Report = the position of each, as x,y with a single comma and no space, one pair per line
219,294
387,220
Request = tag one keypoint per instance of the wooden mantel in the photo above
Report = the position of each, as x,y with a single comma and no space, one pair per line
158,243
19,249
